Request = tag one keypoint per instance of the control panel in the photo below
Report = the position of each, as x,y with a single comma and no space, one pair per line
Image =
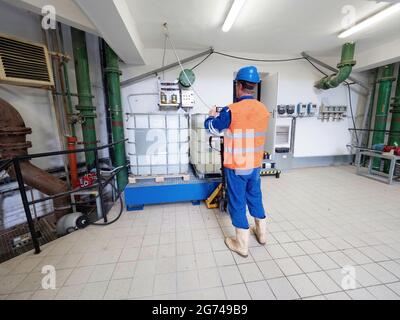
334,113
188,98
312,109
170,94
301,110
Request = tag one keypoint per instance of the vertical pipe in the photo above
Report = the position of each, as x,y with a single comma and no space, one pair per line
64,63
70,110
394,138
85,106
371,108
59,108
382,109
115,104
100,185
73,162
102,45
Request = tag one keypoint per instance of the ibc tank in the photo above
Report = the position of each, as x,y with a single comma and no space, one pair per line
158,144
205,160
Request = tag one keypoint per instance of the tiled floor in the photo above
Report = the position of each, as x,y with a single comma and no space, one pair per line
320,220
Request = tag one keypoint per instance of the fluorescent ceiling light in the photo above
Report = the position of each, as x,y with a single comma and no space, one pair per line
371,20
233,13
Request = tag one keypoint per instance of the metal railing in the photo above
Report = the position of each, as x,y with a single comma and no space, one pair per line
101,184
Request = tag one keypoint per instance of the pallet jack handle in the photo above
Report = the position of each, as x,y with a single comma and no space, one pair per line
221,192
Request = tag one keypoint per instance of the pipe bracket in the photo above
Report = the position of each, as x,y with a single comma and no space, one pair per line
113,70
85,108
350,63
392,79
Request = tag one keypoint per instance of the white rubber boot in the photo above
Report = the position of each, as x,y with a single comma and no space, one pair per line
260,231
240,245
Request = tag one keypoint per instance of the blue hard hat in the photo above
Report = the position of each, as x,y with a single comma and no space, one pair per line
248,74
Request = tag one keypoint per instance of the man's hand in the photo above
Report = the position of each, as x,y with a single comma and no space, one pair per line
213,112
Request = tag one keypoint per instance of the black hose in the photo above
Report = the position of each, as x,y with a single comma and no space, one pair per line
118,198
120,212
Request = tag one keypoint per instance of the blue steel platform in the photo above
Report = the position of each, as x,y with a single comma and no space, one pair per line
148,192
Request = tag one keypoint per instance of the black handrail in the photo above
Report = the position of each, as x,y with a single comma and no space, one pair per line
372,130
6,164
21,185
66,152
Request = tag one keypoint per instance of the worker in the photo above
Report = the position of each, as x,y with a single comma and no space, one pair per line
244,125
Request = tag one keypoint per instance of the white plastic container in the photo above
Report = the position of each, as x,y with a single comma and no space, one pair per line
157,122
158,144
204,159
173,122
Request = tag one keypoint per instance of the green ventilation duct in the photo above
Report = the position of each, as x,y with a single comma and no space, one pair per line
85,106
115,104
345,68
382,108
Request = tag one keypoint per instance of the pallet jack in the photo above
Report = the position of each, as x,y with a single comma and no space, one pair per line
219,198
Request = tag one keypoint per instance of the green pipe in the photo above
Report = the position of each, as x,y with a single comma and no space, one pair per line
371,108
370,113
382,108
69,100
394,137
115,104
345,67
85,106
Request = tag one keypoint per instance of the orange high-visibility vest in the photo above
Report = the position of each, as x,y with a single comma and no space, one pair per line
245,138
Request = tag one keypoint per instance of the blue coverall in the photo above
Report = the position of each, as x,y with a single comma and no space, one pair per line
244,187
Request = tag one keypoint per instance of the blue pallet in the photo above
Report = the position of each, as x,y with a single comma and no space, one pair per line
174,191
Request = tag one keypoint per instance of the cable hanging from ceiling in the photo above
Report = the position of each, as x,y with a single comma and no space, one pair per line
258,60
167,37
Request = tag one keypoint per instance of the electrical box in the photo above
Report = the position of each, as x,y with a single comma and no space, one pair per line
312,109
170,94
291,109
188,99
281,110
301,110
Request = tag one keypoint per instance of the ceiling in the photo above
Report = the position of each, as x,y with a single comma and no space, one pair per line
264,26
268,27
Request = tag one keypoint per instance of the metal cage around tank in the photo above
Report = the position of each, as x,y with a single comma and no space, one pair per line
158,143
205,158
